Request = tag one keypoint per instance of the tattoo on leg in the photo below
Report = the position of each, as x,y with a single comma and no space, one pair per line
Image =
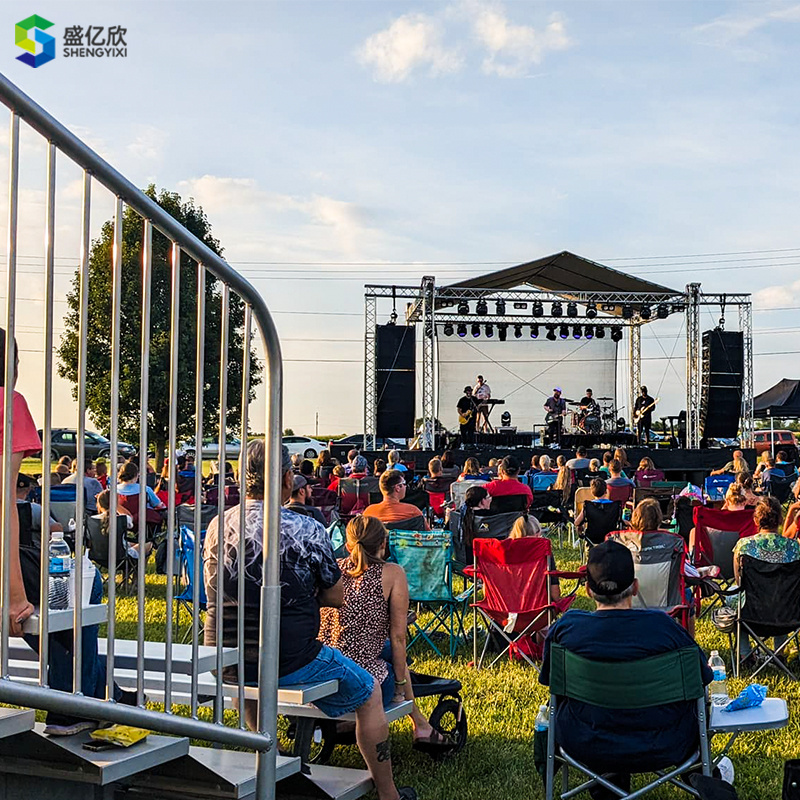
384,750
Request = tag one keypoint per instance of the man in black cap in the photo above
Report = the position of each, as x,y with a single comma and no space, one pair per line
467,416
605,739
302,501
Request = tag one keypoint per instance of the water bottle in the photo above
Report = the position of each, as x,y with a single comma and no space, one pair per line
542,722
719,686
540,731
60,561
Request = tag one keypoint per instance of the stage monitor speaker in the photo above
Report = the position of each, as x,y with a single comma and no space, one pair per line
721,396
395,350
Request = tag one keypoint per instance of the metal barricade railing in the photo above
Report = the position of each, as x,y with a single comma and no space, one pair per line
62,143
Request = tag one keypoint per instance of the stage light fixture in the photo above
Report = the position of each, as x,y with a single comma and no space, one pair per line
551,332
599,332
537,309
588,332
502,331
461,330
489,331
518,331
500,308
448,329
591,310
534,331
563,331
476,330
577,332
555,309
616,333
481,309
645,312
662,311
463,307
627,311
572,309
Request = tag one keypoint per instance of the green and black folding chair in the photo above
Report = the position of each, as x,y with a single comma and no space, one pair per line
649,682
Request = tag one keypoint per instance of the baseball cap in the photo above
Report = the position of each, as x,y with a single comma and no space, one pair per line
286,459
360,464
556,388
24,481
299,483
609,564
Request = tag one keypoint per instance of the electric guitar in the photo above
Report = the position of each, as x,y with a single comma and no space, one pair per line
637,415
464,418
553,416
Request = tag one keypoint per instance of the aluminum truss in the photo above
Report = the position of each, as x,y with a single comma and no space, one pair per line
370,372
693,362
635,373
748,419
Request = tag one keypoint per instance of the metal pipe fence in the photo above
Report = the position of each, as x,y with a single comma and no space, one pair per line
216,283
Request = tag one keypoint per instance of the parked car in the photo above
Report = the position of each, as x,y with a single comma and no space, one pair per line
307,447
782,440
357,440
210,448
64,441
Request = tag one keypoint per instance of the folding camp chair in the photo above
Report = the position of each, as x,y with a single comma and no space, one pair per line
674,677
99,552
324,500
770,607
715,487
542,481
184,599
600,519
658,561
716,534
353,497
646,477
458,490
622,494
438,490
509,503
516,594
780,487
662,496
485,526
426,557
548,507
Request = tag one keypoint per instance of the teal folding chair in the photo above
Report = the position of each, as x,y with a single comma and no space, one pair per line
671,677
426,557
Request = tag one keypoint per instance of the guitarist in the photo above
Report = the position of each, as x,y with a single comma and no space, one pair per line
467,416
643,413
556,408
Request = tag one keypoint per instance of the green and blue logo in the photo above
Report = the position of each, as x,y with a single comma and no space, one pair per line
23,39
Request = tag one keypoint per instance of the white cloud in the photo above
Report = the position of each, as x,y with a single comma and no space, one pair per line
412,41
149,143
777,296
735,31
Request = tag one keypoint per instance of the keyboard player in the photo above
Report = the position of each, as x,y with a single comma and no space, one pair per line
482,394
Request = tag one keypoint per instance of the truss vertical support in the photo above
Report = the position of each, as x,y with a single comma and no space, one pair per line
748,420
428,289
635,358
370,372
693,365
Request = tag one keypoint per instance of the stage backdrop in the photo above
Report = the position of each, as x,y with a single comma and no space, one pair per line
523,372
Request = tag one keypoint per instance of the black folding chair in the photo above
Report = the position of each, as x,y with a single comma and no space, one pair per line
508,503
98,543
600,519
779,487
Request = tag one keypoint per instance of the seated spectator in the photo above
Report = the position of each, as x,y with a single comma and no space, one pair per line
310,579
359,467
786,466
103,508
449,467
65,461
599,495
608,457
339,472
544,464
745,480
492,466
761,465
646,465
608,739
622,456
24,484
374,611
91,485
790,524
476,501
735,498
767,470
101,472
617,476
297,460
394,462
766,545
535,468
55,478
735,466
563,484
472,471
594,468
128,486
302,501
307,471
561,461
392,508
435,468
379,467
508,482
580,461
528,526
352,454
324,469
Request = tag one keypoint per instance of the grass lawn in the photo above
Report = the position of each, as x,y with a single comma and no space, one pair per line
501,705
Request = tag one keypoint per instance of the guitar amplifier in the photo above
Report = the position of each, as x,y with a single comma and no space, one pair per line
507,429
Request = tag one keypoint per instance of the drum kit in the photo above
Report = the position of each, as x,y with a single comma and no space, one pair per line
598,417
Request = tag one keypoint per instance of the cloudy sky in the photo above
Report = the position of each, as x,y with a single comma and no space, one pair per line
334,144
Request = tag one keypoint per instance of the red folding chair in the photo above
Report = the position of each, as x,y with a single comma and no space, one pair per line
621,494
515,574
353,497
646,477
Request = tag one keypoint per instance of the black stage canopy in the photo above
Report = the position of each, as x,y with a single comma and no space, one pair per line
782,400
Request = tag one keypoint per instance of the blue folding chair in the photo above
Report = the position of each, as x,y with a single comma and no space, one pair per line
426,557
716,486
185,555
542,481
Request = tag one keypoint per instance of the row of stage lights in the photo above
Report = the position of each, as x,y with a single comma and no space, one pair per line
662,310
553,331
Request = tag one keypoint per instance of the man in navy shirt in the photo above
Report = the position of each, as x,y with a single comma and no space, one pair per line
610,740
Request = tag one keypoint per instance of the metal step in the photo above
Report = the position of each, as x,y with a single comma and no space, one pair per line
64,759
209,773
14,721
326,783
394,712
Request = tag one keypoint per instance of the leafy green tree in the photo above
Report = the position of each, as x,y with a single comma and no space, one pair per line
288,432
98,373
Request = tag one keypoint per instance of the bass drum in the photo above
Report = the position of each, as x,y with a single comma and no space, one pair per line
591,423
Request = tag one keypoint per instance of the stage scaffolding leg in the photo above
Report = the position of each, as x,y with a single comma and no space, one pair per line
693,365
370,372
635,357
428,365
746,327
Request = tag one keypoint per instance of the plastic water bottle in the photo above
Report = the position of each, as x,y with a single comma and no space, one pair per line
60,562
719,686
542,722
540,731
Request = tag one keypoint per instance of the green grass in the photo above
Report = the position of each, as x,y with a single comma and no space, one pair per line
501,704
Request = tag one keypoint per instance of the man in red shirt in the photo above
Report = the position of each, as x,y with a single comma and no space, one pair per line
508,483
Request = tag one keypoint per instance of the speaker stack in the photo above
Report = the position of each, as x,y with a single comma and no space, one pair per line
395,350
721,389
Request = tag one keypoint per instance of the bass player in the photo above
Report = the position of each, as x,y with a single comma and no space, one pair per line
556,408
643,415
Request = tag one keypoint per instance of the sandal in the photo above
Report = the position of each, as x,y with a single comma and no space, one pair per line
435,743
406,793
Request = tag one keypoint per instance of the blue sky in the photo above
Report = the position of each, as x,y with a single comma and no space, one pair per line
387,135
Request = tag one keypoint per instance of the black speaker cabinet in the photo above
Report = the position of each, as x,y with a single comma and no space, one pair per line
721,396
395,348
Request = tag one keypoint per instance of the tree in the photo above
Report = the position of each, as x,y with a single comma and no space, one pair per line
288,432
98,371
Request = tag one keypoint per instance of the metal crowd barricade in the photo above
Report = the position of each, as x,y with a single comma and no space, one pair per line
63,144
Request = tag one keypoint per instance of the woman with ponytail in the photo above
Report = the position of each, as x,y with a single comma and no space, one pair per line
375,609
104,515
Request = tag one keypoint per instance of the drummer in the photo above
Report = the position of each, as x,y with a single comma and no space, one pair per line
588,404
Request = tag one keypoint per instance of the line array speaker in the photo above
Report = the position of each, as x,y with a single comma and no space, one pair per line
395,349
721,390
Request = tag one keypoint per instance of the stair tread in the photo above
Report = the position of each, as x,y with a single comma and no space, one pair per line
16,720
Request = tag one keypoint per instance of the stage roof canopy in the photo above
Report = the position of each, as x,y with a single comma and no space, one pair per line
565,272
782,400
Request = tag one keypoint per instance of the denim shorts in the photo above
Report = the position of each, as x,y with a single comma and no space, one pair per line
355,683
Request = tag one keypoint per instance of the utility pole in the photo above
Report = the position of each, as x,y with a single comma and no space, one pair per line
316,428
